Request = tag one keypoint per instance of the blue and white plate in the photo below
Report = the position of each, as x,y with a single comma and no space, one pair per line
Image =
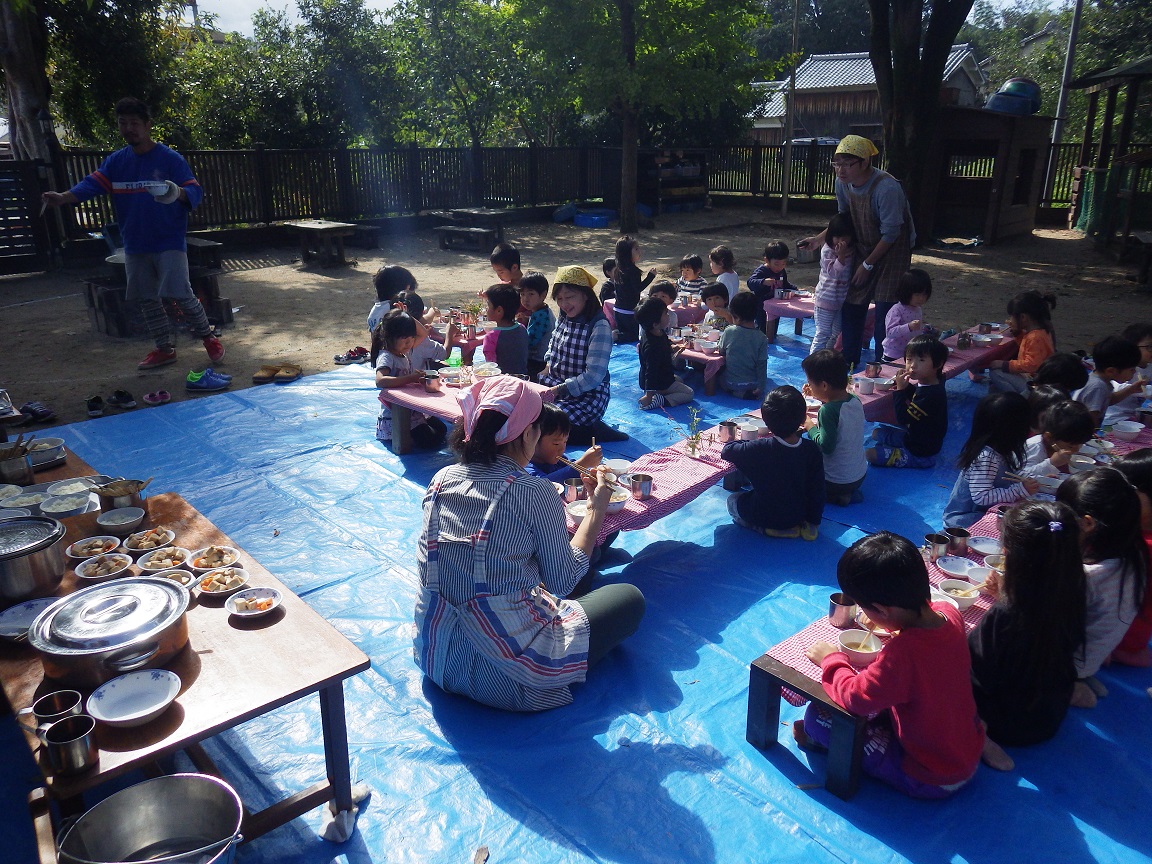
15,620
984,545
134,699
954,565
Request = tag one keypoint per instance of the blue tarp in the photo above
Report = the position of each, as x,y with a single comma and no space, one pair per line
650,763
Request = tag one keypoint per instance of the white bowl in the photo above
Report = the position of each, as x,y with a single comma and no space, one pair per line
45,450
577,509
1127,430
134,699
233,603
164,558
13,512
883,384
27,501
162,537
980,575
73,486
995,562
61,506
983,339
15,620
231,559
1081,462
961,587
7,490
861,646
184,578
939,596
954,565
203,578
85,570
122,521
106,544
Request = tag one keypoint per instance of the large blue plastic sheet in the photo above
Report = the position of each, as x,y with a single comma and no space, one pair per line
650,763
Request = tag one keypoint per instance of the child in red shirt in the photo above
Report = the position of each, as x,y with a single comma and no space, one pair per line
927,738
1133,648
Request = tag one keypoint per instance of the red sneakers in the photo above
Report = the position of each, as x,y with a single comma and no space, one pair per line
214,348
158,358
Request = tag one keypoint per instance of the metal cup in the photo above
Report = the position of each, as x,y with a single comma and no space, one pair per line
841,610
641,486
937,545
873,370
470,332
431,381
729,431
71,745
52,707
574,490
957,540
983,329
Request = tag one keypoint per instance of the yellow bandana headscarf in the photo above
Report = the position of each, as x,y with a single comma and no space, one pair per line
855,145
574,275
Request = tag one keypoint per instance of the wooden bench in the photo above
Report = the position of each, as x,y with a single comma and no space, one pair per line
323,239
204,253
481,239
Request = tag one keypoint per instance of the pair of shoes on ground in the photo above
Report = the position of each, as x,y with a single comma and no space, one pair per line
36,412
119,399
804,530
157,398
208,381
280,374
359,354
165,357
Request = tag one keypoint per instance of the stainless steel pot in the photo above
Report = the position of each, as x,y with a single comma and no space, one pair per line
175,819
17,470
97,633
115,502
31,558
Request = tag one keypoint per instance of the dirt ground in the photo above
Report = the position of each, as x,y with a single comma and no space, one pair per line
286,312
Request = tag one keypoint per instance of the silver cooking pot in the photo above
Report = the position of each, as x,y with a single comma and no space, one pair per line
175,819
97,633
31,558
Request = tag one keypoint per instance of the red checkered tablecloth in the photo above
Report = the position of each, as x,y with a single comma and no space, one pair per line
1123,448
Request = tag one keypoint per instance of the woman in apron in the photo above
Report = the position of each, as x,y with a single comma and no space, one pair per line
495,620
884,229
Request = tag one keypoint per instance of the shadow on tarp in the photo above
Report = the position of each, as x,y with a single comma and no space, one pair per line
650,762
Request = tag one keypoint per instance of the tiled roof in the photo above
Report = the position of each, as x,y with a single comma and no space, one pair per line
822,71
772,101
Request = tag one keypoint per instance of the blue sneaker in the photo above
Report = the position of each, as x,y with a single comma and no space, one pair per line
205,382
223,375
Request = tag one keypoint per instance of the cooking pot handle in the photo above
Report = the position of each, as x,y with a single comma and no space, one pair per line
132,661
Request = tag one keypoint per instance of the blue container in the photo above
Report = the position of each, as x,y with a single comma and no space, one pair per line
587,220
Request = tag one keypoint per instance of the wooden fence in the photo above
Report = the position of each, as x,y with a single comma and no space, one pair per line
262,185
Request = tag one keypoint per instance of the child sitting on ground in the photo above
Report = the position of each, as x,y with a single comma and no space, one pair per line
927,738
607,287
1115,568
770,277
1116,360
745,350
657,379
786,472
1030,319
690,279
995,447
1063,370
1133,648
541,320
906,318
921,409
507,345
1024,647
392,341
554,429
723,264
1131,395
837,257
838,428
1064,428
665,291
714,296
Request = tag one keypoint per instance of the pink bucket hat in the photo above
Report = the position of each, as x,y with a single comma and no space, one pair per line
509,396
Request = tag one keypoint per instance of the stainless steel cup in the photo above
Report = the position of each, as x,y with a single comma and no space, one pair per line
641,486
431,381
729,431
574,490
52,707
983,329
937,545
71,745
873,370
957,540
841,610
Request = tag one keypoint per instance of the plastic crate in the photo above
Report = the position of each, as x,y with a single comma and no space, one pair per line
587,220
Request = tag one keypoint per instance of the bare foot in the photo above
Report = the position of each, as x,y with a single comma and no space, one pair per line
1096,686
995,757
1082,696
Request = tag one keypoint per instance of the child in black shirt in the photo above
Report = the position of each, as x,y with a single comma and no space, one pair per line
921,410
657,379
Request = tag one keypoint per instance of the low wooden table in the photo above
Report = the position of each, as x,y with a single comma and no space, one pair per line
231,671
323,239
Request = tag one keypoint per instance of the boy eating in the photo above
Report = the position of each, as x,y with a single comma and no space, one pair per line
715,297
745,351
921,409
770,276
1116,360
838,428
541,320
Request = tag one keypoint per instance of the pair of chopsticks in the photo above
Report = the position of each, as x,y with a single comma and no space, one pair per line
588,473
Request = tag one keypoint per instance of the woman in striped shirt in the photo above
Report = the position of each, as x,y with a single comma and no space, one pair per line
496,565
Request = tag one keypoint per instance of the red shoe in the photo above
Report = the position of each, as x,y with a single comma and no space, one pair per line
158,358
214,348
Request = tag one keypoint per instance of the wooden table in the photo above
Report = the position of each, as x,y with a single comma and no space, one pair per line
805,307
324,239
231,671
686,316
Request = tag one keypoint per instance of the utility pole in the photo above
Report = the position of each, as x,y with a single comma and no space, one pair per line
790,114
1062,102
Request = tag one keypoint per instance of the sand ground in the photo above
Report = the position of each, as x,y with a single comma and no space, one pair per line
287,312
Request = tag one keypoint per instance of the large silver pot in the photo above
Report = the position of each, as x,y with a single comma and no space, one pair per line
31,558
176,819
97,633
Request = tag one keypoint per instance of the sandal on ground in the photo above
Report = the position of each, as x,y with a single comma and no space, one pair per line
157,398
122,399
358,354
265,375
95,406
288,372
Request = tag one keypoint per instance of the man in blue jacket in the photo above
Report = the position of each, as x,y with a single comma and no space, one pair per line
152,191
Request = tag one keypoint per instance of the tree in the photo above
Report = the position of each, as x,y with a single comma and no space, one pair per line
909,44
824,27
24,54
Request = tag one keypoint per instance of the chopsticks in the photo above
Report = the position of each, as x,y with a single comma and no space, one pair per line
588,473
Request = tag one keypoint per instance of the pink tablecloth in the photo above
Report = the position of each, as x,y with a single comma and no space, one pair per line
712,363
1122,448
791,651
685,315
445,404
804,307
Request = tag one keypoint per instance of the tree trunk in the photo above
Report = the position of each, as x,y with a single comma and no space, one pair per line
629,121
24,56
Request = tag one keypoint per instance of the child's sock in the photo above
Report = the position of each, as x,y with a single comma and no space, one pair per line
656,400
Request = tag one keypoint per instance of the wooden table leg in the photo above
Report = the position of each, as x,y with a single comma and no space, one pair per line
763,725
401,429
340,259
799,328
305,250
41,812
845,753
771,328
335,728
710,386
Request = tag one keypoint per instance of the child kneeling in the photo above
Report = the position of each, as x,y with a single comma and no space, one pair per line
657,379
786,472
927,738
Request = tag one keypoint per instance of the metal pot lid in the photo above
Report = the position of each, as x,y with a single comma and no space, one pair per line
23,535
109,615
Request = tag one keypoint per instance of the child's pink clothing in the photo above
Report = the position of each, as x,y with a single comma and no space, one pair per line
834,280
897,333
924,676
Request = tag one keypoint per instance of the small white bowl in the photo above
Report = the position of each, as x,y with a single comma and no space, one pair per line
577,509
962,597
62,506
861,646
883,384
27,501
46,449
232,604
73,486
202,578
184,578
994,562
980,575
164,558
1081,462
939,596
134,699
1127,430
984,339
107,544
165,537
7,490
122,521
232,559
85,569
13,512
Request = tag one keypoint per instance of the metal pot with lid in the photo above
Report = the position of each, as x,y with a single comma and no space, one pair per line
97,633
31,558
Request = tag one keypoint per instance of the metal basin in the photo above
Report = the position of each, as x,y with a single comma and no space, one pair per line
31,558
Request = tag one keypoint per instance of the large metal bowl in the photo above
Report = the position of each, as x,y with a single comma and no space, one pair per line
31,558
176,819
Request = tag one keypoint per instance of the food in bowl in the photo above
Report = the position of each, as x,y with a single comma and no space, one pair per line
224,580
995,562
212,557
7,490
964,593
165,558
861,646
1081,462
30,499
92,547
153,538
253,601
47,444
71,487
121,521
64,505
182,577
103,566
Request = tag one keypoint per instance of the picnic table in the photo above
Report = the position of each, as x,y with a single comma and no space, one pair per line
324,239
685,315
801,307
467,346
784,671
710,364
231,672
